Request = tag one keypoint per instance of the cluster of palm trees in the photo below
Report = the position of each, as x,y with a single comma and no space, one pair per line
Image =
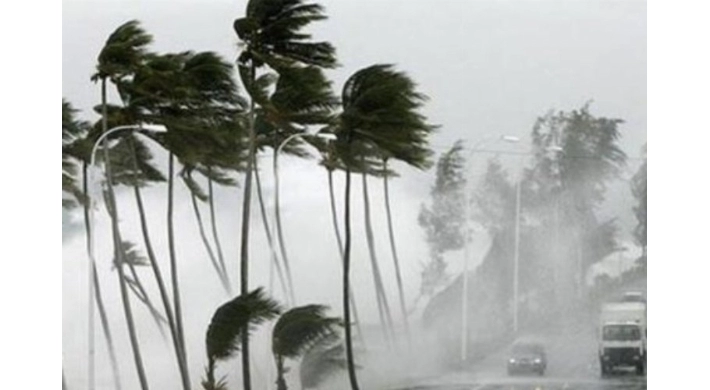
216,129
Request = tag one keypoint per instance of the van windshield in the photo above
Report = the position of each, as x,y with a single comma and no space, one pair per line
621,333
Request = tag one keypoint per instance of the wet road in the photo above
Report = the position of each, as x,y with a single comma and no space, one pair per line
572,365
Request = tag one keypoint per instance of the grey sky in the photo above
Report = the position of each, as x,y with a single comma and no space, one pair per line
489,68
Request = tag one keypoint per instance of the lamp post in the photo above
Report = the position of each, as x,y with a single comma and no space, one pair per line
464,298
277,215
90,231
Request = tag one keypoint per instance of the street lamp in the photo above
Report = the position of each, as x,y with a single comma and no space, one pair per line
90,229
464,298
276,224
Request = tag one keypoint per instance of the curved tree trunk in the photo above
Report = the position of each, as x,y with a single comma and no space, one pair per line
282,244
244,252
118,253
398,273
96,292
182,366
213,222
208,247
334,213
173,268
269,238
382,304
346,288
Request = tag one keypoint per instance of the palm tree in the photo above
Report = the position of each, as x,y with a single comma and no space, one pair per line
223,339
331,161
271,33
123,51
379,104
296,331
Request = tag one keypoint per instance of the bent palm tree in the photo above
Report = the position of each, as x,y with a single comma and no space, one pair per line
296,331
123,51
272,35
378,103
223,339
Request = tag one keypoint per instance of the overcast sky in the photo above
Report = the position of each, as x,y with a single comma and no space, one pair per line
490,68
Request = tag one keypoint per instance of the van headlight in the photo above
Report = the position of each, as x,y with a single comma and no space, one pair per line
511,360
537,361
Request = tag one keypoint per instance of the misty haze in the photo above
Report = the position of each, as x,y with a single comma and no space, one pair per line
339,194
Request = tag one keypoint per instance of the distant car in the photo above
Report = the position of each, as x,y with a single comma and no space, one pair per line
527,357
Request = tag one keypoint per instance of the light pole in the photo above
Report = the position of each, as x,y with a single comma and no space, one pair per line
464,298
90,231
277,215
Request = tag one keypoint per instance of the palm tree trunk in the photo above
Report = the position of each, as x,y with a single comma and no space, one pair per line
118,252
346,288
334,213
173,267
208,247
213,222
94,280
269,238
382,304
244,254
398,273
279,230
182,365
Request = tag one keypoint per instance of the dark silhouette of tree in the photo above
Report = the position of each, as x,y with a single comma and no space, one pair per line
443,222
298,330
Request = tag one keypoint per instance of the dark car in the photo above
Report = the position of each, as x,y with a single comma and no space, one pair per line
527,357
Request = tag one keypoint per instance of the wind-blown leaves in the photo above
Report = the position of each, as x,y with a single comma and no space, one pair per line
230,319
299,328
272,30
123,51
73,133
380,107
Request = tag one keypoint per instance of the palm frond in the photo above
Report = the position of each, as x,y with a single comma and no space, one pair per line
122,51
232,318
272,31
380,107
301,327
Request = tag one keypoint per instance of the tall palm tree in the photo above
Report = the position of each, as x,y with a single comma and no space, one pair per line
331,162
382,303
121,54
378,104
296,331
194,95
76,148
271,31
223,339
